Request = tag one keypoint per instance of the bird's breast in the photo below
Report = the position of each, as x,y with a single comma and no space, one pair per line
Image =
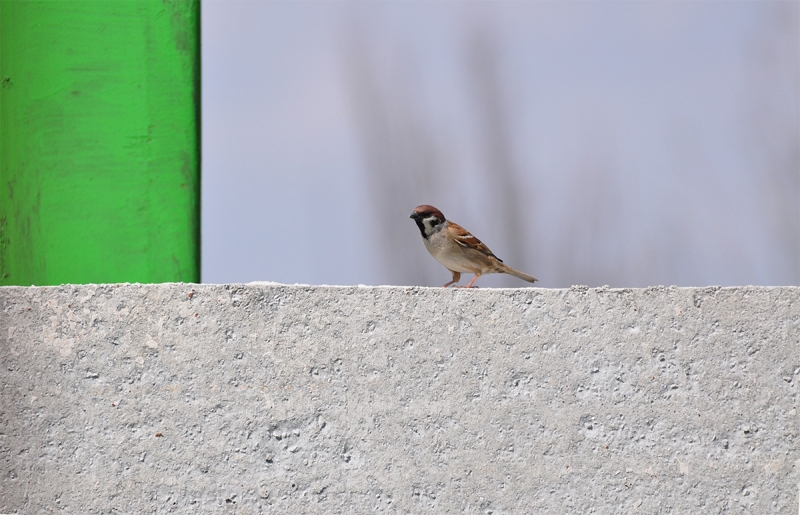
454,256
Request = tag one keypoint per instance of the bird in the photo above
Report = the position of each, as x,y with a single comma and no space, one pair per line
457,249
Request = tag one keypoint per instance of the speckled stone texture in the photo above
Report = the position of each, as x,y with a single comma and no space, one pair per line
297,399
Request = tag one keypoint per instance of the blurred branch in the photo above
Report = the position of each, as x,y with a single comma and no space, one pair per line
774,129
590,248
504,186
402,160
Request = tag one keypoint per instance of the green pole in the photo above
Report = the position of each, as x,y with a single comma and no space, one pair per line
99,141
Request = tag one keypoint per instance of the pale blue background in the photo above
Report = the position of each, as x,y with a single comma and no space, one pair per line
608,142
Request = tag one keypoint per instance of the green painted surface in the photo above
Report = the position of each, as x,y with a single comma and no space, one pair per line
99,141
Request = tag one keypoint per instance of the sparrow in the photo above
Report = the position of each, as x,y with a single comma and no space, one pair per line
457,249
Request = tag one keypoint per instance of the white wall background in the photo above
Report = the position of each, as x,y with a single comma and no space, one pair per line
620,143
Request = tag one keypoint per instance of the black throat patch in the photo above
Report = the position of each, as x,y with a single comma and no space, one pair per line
435,223
421,227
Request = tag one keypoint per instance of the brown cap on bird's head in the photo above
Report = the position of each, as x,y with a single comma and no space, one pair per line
425,211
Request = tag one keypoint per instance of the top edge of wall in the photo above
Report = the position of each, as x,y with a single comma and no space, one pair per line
406,287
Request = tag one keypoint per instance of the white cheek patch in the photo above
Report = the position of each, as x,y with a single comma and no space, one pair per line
430,223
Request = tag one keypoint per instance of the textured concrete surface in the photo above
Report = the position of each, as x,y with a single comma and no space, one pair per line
294,399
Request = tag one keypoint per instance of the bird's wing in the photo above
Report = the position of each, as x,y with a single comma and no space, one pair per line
464,238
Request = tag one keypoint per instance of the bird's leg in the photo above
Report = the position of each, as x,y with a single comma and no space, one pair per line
472,281
456,278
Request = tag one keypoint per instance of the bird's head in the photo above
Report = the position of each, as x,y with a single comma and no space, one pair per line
428,219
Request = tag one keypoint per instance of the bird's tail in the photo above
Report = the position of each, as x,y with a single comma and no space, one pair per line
520,275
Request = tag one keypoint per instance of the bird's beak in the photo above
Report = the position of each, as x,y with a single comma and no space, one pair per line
414,216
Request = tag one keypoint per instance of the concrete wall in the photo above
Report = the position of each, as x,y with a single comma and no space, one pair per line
293,399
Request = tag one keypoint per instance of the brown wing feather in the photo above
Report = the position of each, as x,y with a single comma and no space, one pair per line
467,240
